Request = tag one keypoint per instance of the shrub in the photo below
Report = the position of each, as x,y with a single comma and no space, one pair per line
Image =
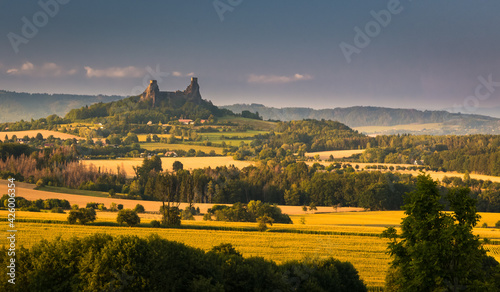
92,205
187,214
497,225
139,208
207,217
263,221
113,207
40,184
171,216
128,216
119,206
83,216
30,209
155,223
57,210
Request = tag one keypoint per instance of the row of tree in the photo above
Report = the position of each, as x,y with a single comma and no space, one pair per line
292,184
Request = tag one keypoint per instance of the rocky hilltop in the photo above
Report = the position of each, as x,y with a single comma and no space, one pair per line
155,96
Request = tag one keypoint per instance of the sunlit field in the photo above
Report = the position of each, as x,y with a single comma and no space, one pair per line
350,236
337,154
45,134
185,147
188,163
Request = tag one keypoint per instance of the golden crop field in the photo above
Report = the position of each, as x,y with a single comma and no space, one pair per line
188,162
337,154
185,147
351,238
143,137
45,134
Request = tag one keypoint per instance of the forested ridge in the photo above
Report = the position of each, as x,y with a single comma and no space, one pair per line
361,116
27,106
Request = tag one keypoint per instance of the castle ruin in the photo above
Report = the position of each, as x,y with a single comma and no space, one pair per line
155,96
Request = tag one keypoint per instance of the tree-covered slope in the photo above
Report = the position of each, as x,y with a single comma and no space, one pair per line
20,105
361,116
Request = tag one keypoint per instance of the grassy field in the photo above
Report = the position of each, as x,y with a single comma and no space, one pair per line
256,124
346,236
217,137
188,162
337,154
410,127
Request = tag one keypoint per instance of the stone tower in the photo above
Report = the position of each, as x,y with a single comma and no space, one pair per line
192,92
151,92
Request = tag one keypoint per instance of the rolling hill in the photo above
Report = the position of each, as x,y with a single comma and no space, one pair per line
26,106
361,116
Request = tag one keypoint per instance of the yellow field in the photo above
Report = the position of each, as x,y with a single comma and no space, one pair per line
142,137
367,254
188,162
282,242
45,134
337,154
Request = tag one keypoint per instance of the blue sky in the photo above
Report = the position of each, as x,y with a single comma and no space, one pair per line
415,54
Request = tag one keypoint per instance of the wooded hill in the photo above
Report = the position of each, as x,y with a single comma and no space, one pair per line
361,116
27,106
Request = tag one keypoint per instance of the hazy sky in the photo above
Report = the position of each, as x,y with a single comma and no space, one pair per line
321,54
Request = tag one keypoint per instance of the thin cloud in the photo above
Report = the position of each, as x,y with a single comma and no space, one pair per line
277,79
179,74
45,70
115,72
